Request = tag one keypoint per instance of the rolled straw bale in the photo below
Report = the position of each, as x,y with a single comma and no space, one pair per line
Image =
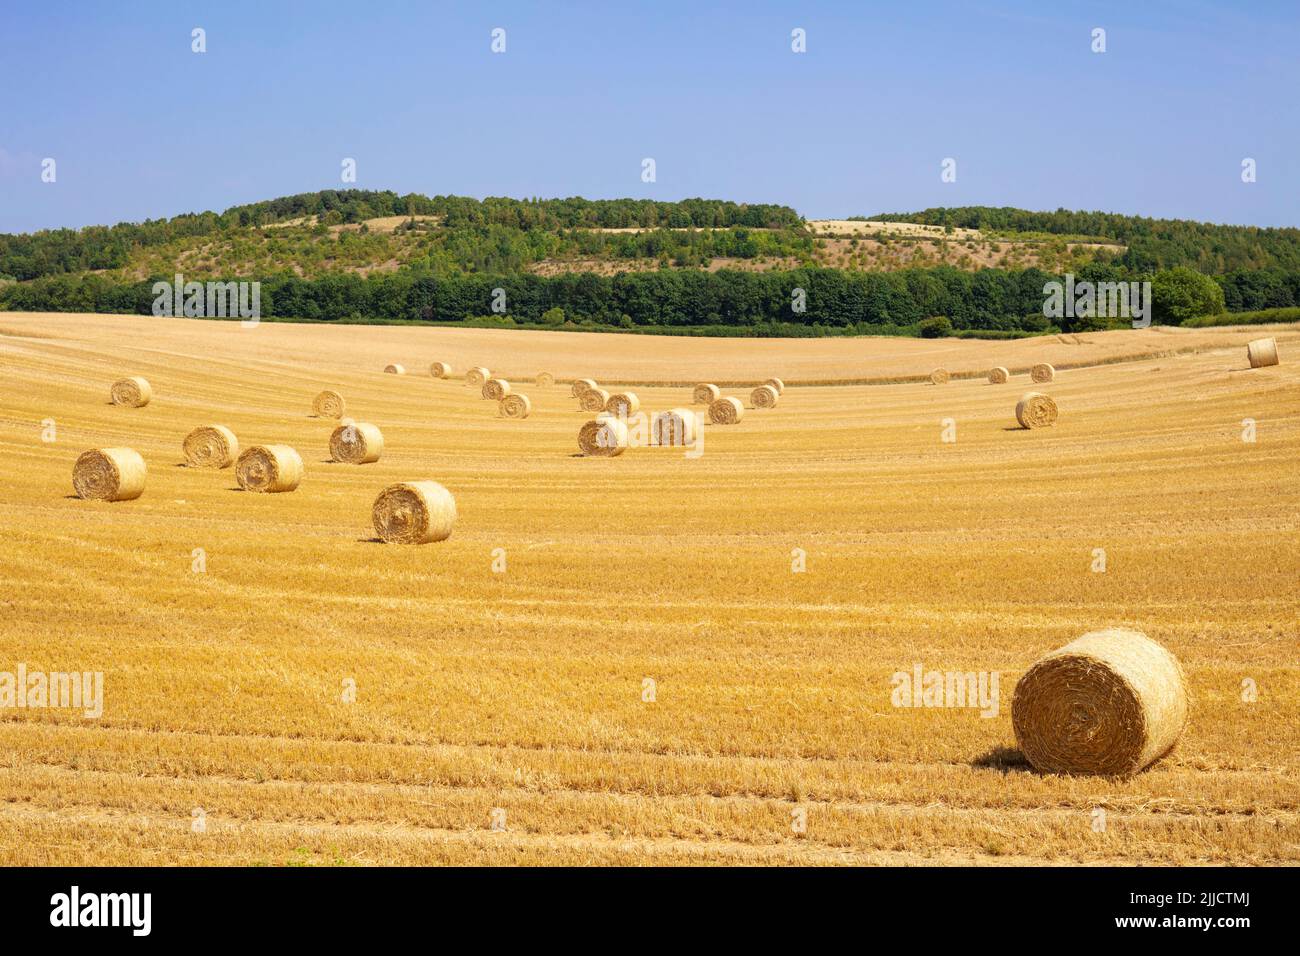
268,468
726,411
476,376
395,369
328,404
777,384
439,369
593,400
414,512
998,375
1262,352
673,428
765,396
623,404
939,376
1042,373
211,446
109,474
581,385
515,405
1111,702
134,392
1036,410
357,443
603,437
545,379
705,394
495,389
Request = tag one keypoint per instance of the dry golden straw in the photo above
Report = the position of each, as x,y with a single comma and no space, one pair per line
545,379
357,443
515,405
1035,410
395,369
1110,703
1042,373
593,400
777,384
705,394
726,411
476,376
581,385
328,404
109,474
673,428
998,375
269,468
939,377
495,389
414,512
1262,352
211,446
604,437
439,369
623,404
765,396
133,392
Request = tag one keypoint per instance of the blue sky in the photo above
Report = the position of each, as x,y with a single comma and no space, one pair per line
141,127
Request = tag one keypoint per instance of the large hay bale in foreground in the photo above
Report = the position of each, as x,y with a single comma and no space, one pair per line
1042,373
109,474
133,392
593,400
328,404
674,428
777,384
765,396
726,411
439,369
1036,410
939,376
476,376
581,385
515,405
211,446
705,394
544,379
414,512
356,443
495,389
1262,352
395,369
998,375
1110,703
269,468
623,404
603,437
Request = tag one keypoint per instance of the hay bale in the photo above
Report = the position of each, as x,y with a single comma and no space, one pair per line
211,446
109,474
269,468
593,400
581,385
726,411
765,396
1262,352
395,369
439,369
1036,410
705,394
476,376
495,389
939,376
1110,703
356,443
414,512
328,404
998,375
603,437
1042,373
623,404
673,428
777,384
515,405
133,392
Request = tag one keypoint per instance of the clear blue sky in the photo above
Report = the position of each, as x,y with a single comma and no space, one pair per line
1158,125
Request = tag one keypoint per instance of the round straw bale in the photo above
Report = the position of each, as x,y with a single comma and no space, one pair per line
1036,410
495,389
414,512
593,400
109,474
623,404
328,404
133,392
476,376
777,384
1042,373
1262,352
545,379
705,394
395,369
673,428
1111,702
998,375
581,385
939,376
765,396
726,411
268,468
515,405
211,446
357,443
603,437
439,369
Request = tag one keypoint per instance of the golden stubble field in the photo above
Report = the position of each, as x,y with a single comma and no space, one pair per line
518,698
